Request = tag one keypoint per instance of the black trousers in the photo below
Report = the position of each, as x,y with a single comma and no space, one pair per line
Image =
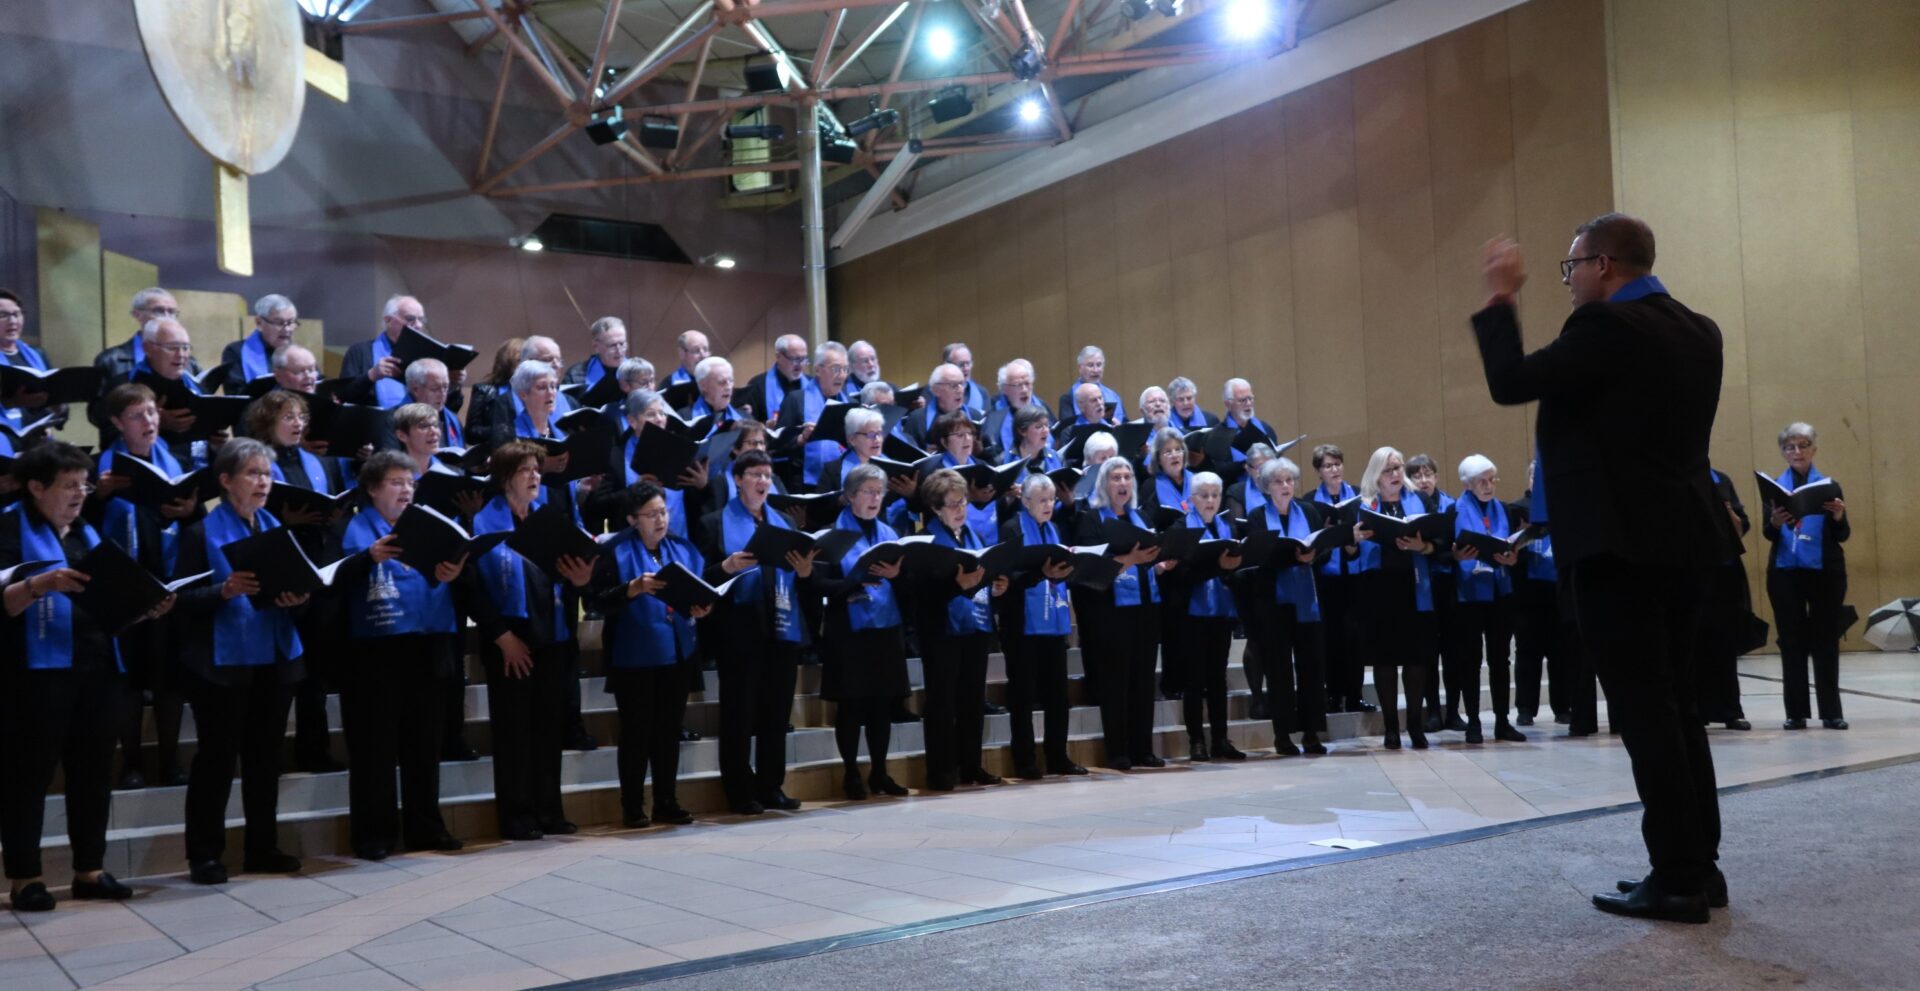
1637,624
1724,610
1539,644
756,701
528,718
1252,663
1397,635
1442,667
1203,660
1037,670
453,702
1488,627
323,649
873,716
1125,645
653,707
390,711
147,650
1345,670
1806,617
1292,652
246,723
55,719
955,669
1173,629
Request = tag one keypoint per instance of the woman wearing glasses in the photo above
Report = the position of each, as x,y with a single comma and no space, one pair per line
863,648
1121,624
1807,582
1035,613
1395,597
954,616
866,435
1483,611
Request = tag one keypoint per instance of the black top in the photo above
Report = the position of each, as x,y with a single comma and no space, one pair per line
92,647
193,615
1833,558
117,361
359,360
1627,396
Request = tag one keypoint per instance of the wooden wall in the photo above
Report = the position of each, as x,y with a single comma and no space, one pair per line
1771,144
1325,246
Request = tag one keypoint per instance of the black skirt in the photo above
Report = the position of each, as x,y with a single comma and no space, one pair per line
862,664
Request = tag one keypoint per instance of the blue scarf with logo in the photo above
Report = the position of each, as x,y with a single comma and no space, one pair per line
394,599
49,621
244,636
736,530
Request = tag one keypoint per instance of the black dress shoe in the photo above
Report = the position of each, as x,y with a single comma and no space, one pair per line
1119,764
1417,738
1454,722
1739,724
855,788
1525,720
444,843
1311,744
1362,705
1561,719
172,777
778,799
33,898
981,776
1283,747
1070,768
942,782
522,834
637,821
1473,732
582,742
1391,742
371,852
270,862
1502,731
1197,752
130,780
459,755
1225,750
1432,723
991,708
207,872
1794,724
1716,889
1028,773
105,888
902,714
558,827
1148,760
747,808
1834,723
881,784
1644,903
671,815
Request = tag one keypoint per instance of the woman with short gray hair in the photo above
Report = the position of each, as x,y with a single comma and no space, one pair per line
1201,615
1807,582
1283,618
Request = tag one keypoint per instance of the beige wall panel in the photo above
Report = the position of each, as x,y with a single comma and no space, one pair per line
999,285
1799,249
1789,57
1260,284
1884,43
1894,408
1732,446
1043,270
958,292
1324,220
1093,298
1473,199
1199,342
1398,309
1253,152
1136,354
72,318
1886,146
120,277
1840,412
912,305
214,320
1139,202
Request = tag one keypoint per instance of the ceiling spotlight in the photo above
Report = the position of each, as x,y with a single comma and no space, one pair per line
1247,19
607,128
719,261
1169,8
764,132
1135,9
1027,62
531,243
765,74
873,121
1030,110
950,104
941,43
834,147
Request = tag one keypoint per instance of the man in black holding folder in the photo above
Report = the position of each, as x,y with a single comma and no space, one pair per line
1627,396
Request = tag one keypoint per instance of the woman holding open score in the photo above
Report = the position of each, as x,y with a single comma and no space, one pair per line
1807,582
1395,596
1207,617
864,650
1284,619
954,614
1121,624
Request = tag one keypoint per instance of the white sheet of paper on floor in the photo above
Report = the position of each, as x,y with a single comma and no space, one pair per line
1342,843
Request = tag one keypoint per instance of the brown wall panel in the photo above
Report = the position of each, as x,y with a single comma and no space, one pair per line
1789,57
1324,217
1883,47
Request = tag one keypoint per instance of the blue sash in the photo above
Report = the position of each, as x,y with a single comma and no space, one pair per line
121,518
388,392
872,605
49,622
316,471
1239,455
819,452
395,598
254,359
736,529
967,613
244,636
1048,607
721,418
138,349
1481,580
500,569
773,392
1211,597
1293,583
1540,566
1802,545
647,633
1336,564
27,357
1180,498
1370,552
596,370
1006,436
1116,411
984,520
679,375
450,433
1126,587
1195,422
1251,498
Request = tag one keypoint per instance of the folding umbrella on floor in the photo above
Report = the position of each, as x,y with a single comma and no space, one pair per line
1894,626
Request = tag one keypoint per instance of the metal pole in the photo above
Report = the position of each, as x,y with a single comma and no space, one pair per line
813,223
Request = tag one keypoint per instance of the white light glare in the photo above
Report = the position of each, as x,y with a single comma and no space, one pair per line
1030,110
1248,19
724,261
941,43
531,243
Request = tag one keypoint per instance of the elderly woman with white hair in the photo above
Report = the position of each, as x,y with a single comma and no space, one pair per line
1120,625
1807,582
1201,635
1283,612
1035,615
1483,610
1395,596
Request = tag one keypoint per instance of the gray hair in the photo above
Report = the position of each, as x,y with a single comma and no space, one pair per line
270,304
1098,499
707,365
1474,465
420,368
1090,351
145,297
1000,377
946,353
958,375
1226,391
861,475
603,325
393,304
638,400
1181,384
285,354
235,455
633,370
1261,451
870,392
151,329
1035,482
827,348
782,342
1207,479
859,419
1150,390
1100,440
1273,469
530,372
528,346
1082,387
1799,429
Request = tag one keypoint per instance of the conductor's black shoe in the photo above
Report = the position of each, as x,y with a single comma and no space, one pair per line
1834,723
1716,889
1225,750
371,851
1644,903
747,808
778,799
1794,724
270,862
33,898
1198,753
1149,760
1119,764
1028,773
207,872
1283,747
444,843
1473,732
671,815
105,888
1502,731
1312,745
130,780
1739,724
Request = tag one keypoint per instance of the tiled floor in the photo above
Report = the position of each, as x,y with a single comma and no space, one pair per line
524,915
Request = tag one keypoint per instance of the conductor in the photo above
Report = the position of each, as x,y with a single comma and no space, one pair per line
1627,395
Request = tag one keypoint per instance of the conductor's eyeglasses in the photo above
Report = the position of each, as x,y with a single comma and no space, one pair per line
1568,265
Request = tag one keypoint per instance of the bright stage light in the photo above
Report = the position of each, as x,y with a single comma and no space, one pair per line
1248,19
941,43
1031,110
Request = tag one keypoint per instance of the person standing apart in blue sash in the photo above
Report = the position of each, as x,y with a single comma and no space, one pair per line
761,633
1484,604
1207,621
399,621
863,648
524,632
650,649
1284,615
58,682
1035,613
1120,626
1807,582
953,614
1395,597
242,659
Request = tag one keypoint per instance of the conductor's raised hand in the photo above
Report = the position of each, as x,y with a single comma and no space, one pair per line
1503,269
